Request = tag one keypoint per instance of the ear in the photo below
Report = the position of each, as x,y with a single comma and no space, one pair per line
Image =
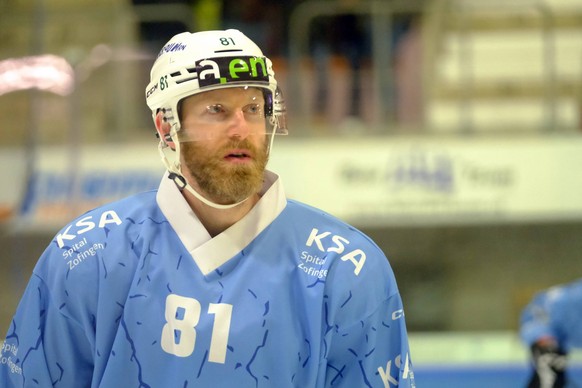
163,128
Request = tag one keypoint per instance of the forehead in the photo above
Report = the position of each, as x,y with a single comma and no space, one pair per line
244,94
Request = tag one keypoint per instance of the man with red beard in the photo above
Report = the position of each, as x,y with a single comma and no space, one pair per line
228,166
216,279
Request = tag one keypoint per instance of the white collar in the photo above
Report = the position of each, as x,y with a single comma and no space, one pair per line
209,252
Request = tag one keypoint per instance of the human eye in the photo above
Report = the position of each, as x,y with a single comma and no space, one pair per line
254,109
215,109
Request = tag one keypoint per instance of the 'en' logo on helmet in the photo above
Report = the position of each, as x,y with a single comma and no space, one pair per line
231,69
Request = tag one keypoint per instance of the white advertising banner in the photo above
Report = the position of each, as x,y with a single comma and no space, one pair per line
407,181
384,181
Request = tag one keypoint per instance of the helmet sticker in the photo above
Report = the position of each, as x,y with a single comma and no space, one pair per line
172,47
224,70
151,90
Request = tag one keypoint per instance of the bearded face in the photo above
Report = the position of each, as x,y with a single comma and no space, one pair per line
223,143
217,172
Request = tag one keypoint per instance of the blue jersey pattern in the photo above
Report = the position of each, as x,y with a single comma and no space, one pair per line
555,312
117,300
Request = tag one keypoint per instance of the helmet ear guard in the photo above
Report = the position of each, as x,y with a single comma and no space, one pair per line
278,117
162,120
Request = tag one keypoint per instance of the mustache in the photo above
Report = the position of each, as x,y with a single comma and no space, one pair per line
241,143
244,143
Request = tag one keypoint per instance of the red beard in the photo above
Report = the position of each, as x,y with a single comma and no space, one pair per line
222,181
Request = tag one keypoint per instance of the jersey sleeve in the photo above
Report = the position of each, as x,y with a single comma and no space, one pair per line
554,313
43,347
367,341
372,352
539,317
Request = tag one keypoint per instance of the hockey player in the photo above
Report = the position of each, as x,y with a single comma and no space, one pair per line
215,279
551,326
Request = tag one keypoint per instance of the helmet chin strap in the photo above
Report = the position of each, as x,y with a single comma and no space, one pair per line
182,184
176,175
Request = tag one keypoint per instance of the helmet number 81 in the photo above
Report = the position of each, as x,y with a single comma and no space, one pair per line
226,41
164,82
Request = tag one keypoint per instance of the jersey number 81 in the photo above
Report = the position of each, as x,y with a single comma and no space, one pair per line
179,332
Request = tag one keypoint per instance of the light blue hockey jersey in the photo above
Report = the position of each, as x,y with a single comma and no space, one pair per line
555,312
137,294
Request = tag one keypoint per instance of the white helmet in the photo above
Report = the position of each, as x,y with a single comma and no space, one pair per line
192,63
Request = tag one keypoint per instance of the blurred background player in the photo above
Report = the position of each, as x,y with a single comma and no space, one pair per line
551,325
215,279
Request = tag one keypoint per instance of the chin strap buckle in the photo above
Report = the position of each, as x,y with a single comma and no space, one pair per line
179,180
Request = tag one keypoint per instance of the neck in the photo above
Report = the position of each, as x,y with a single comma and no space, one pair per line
215,220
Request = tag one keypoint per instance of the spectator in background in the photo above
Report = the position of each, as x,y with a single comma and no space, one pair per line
261,20
551,326
407,62
340,48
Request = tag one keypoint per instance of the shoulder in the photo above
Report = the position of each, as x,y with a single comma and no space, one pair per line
322,226
78,246
357,277
575,289
563,292
96,248
567,297
356,267
302,211
102,221
557,300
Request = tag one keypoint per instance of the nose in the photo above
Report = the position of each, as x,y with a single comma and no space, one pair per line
239,126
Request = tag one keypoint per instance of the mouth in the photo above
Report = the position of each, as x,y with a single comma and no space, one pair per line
238,156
